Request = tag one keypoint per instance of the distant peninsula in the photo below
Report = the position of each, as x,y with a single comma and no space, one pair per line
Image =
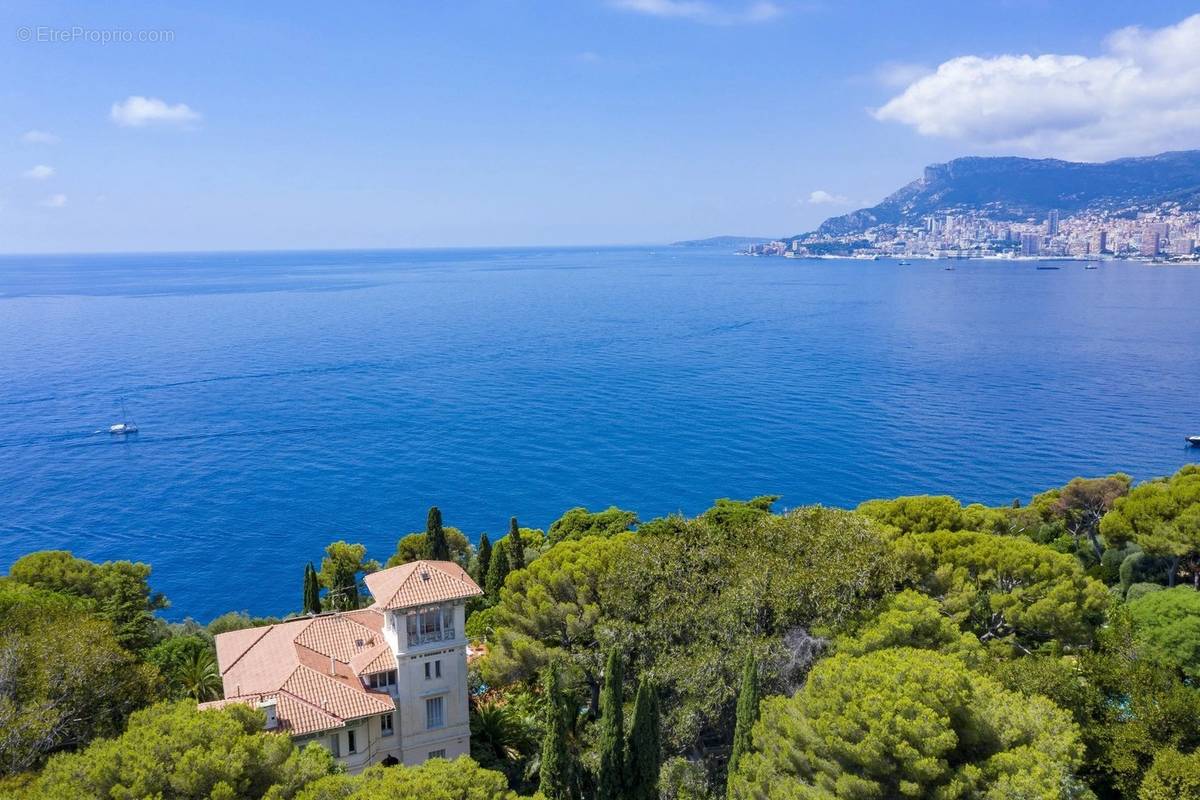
723,241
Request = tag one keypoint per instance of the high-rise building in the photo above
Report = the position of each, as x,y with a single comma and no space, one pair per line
1101,241
1031,244
1052,222
1150,243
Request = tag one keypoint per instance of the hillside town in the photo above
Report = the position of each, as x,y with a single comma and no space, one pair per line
1167,234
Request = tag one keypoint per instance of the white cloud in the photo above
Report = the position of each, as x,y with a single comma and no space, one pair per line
137,112
1141,96
820,197
39,137
40,172
55,201
703,11
588,57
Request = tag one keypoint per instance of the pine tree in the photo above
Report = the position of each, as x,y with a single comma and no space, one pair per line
613,779
516,557
312,590
435,535
483,559
747,712
645,753
555,774
497,570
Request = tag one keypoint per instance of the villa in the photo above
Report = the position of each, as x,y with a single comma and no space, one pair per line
383,684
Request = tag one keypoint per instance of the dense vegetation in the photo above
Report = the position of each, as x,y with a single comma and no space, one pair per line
912,647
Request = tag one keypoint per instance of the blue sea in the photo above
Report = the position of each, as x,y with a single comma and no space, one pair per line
286,400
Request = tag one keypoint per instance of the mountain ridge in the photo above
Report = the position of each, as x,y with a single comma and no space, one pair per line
1015,188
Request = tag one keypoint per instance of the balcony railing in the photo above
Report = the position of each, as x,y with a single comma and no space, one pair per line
416,639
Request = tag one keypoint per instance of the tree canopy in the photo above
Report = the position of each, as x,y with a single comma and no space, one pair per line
579,522
1128,705
1169,623
911,619
439,548
118,591
929,513
551,609
729,515
341,574
914,648
188,667
64,678
436,779
1163,518
908,723
1083,502
173,750
1007,588
1172,776
415,546
692,599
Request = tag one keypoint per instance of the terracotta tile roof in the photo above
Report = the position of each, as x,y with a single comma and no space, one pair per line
333,696
420,583
231,646
382,660
367,617
295,715
310,666
266,664
338,636
299,717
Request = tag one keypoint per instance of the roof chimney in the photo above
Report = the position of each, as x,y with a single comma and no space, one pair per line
267,706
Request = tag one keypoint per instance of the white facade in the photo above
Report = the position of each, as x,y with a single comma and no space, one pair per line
430,644
429,687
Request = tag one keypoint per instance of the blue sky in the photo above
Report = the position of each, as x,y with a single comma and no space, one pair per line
411,124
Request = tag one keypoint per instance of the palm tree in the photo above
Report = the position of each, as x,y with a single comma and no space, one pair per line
499,736
198,676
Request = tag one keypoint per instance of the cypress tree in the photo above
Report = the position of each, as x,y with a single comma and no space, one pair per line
497,570
435,536
483,559
555,774
645,751
516,559
613,778
312,590
747,712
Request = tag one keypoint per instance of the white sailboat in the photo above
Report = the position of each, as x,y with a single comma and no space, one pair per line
125,426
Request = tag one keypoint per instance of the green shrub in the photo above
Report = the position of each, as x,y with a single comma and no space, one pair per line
1143,568
1139,590
1168,623
1111,561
